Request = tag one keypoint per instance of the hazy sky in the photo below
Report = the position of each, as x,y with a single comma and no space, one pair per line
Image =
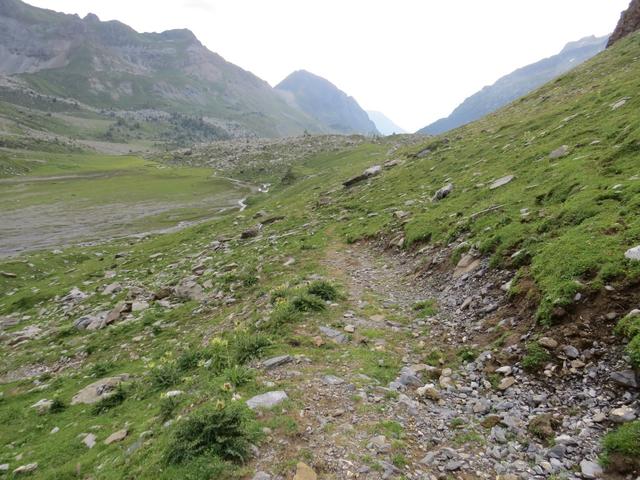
414,60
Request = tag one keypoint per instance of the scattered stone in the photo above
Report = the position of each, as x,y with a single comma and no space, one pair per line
112,288
501,182
267,400
626,378
276,361
506,370
139,306
250,233
304,472
468,263
332,380
506,383
334,335
189,289
30,467
350,329
116,436
43,406
590,469
633,253
429,391
570,351
559,152
8,274
368,173
548,342
261,476
89,440
622,414
173,393
443,192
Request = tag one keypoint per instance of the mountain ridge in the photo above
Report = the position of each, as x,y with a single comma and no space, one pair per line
516,84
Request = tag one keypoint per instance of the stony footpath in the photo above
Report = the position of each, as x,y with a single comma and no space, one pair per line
469,411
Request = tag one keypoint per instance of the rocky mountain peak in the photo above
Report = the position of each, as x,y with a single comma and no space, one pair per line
629,22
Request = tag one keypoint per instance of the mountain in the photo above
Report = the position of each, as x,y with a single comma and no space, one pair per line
629,23
517,84
325,102
384,124
110,65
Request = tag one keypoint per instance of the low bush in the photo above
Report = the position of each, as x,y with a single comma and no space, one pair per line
215,432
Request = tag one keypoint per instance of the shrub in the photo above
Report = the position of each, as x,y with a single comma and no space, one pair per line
57,406
100,369
238,375
219,432
168,406
307,303
189,360
426,308
248,346
165,375
633,350
535,358
467,354
284,314
325,290
112,401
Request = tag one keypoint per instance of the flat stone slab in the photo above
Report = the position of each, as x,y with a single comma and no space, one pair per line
267,400
98,390
334,335
501,182
276,361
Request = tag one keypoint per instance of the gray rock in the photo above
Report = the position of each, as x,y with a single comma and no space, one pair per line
267,400
89,440
633,253
622,414
559,152
501,182
261,476
334,335
590,469
571,351
368,173
443,192
626,378
98,390
332,380
276,361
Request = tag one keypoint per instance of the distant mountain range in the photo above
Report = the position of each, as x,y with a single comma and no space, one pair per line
110,66
518,84
325,103
384,124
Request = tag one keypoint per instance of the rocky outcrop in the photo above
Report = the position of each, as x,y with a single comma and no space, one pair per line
629,23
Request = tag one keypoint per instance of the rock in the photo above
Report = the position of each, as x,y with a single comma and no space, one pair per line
276,361
590,469
91,322
453,465
304,472
350,329
116,436
380,444
139,306
4,467
28,333
173,393
267,400
189,289
261,476
98,390
8,274
570,351
334,335
548,342
74,296
111,289
429,391
250,233
626,378
332,380
89,440
368,173
443,192
30,467
43,406
633,253
622,414
506,383
559,152
115,314
501,182
468,263
506,370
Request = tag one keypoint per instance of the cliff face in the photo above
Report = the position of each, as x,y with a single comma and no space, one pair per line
629,22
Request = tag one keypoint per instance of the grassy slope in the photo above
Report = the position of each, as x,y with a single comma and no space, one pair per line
579,228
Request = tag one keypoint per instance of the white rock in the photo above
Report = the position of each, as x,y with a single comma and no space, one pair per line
267,400
633,253
590,469
622,414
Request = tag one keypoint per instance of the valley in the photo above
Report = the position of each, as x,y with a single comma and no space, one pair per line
206,278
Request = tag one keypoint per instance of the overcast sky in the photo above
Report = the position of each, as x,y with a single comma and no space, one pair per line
414,60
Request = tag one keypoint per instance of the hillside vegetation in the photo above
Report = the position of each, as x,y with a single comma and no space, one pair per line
451,314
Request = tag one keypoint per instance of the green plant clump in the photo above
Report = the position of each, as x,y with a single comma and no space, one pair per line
535,358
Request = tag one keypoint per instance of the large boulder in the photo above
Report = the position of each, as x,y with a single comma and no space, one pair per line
368,173
95,392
